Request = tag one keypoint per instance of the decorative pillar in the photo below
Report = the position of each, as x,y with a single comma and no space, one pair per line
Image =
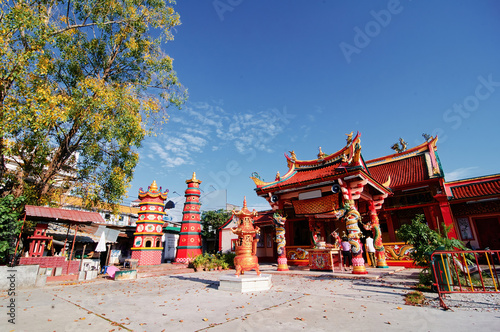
246,245
351,218
147,242
279,223
351,223
189,245
377,236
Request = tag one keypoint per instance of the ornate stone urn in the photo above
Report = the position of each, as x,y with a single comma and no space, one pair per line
246,245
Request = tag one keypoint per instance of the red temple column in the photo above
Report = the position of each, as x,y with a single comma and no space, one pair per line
147,248
189,245
390,226
444,208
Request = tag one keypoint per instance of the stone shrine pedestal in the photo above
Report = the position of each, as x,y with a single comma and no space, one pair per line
248,282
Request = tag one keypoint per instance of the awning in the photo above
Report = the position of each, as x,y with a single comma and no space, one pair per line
59,232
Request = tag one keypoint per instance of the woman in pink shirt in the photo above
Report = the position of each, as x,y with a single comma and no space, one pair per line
346,252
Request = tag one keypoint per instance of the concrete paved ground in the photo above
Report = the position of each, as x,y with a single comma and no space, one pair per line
298,301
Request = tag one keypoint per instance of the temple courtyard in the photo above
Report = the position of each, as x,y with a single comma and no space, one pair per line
180,300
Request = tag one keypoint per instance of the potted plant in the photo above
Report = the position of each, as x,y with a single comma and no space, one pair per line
198,263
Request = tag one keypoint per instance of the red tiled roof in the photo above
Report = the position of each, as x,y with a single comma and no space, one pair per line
307,175
402,172
61,215
263,218
475,190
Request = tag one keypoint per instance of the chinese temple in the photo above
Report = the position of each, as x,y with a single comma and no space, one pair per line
189,245
326,194
387,192
147,248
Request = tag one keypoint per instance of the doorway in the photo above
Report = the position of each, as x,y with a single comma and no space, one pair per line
488,232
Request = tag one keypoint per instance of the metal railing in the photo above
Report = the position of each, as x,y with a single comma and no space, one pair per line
465,271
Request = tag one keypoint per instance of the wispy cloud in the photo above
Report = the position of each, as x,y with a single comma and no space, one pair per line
203,126
461,173
164,154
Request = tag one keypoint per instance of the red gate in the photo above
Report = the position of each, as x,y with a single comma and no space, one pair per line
465,271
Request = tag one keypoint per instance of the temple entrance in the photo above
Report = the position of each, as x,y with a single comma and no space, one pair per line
487,232
301,233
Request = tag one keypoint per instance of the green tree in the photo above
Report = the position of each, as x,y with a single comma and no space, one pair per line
425,241
210,222
82,83
10,225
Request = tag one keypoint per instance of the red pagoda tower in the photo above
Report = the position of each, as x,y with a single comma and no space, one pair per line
147,242
189,245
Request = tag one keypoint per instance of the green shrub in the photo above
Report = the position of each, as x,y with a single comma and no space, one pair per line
425,241
228,258
10,225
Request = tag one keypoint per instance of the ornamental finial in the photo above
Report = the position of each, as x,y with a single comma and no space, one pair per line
349,138
153,186
321,154
193,179
244,210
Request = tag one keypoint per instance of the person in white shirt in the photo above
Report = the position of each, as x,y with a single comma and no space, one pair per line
371,250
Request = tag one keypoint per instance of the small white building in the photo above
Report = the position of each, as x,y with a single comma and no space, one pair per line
227,239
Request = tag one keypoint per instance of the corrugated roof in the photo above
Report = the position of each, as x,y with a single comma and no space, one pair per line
77,202
475,190
61,233
403,172
61,215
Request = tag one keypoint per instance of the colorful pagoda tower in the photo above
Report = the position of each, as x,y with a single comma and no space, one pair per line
189,245
147,238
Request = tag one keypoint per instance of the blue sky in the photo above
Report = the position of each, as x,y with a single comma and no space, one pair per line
267,77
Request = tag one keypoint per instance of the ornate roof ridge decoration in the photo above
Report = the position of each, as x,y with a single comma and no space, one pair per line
153,191
421,148
349,155
344,154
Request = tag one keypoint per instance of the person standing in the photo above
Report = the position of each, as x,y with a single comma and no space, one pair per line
346,252
371,250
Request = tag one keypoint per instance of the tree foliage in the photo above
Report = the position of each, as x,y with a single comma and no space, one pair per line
82,83
10,225
425,240
211,220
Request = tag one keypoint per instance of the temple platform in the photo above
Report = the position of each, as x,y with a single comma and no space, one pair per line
248,282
